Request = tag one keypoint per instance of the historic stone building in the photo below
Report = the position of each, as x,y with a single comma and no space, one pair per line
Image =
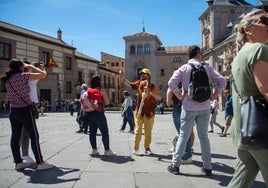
145,50
217,37
110,67
66,68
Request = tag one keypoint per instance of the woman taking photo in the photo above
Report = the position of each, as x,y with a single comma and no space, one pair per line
20,115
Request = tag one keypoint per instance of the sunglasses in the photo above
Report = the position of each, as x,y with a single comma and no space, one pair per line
262,19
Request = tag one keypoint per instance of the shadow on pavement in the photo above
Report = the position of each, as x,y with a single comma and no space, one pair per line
116,159
49,176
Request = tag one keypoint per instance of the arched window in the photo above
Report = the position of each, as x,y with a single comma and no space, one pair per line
132,49
139,49
147,49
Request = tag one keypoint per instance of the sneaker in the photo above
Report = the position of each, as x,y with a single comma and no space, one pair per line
222,130
109,153
95,152
121,130
187,161
174,170
137,152
130,131
21,165
148,151
79,131
211,131
208,172
28,159
44,166
222,135
171,150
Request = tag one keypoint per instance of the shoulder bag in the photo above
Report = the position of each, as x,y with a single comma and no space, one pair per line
254,121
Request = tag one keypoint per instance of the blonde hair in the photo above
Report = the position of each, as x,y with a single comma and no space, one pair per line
241,37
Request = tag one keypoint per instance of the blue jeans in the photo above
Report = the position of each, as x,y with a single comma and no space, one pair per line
128,117
187,120
177,122
97,120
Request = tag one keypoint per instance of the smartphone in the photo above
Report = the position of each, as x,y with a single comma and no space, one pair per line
37,64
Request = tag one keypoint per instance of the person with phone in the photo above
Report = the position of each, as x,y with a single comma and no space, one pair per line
16,81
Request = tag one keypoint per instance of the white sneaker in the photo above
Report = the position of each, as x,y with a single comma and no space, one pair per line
95,152
44,166
171,150
109,153
187,161
22,165
28,159
137,152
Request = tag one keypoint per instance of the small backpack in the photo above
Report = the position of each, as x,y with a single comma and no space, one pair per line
199,86
91,100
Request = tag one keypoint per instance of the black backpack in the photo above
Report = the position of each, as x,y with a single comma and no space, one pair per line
199,86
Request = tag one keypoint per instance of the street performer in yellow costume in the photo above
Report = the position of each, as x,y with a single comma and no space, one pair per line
148,95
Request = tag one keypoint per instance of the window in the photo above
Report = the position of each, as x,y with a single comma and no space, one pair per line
147,49
5,51
112,64
68,63
45,57
68,87
139,49
117,64
162,72
80,78
109,82
176,59
132,49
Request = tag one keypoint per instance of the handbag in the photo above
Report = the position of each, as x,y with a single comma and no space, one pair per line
254,121
34,110
33,107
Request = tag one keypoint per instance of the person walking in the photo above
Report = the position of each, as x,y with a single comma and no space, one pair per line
249,70
127,112
194,110
80,114
228,109
96,117
213,117
20,115
148,95
176,116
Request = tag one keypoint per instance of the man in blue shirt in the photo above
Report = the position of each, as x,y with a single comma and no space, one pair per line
228,111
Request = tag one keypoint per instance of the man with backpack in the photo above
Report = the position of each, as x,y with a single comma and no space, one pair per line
196,77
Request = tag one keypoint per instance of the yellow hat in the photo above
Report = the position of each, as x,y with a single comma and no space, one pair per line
146,71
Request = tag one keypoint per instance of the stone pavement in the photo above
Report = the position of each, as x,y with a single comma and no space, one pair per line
75,168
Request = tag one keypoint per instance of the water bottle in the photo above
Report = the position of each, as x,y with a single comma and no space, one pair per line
190,90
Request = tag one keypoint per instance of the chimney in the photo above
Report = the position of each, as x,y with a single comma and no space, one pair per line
59,34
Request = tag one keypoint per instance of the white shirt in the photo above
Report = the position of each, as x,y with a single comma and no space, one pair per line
33,92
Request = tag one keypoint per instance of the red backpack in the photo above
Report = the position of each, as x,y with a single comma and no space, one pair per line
91,100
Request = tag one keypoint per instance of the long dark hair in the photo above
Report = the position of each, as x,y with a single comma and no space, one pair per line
14,67
95,81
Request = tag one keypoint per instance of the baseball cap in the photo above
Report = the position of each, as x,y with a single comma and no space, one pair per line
145,71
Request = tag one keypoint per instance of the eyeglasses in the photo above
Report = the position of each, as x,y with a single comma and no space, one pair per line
262,19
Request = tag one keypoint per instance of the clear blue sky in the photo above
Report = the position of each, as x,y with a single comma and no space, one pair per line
94,26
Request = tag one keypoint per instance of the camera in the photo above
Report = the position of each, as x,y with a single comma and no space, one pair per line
37,64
